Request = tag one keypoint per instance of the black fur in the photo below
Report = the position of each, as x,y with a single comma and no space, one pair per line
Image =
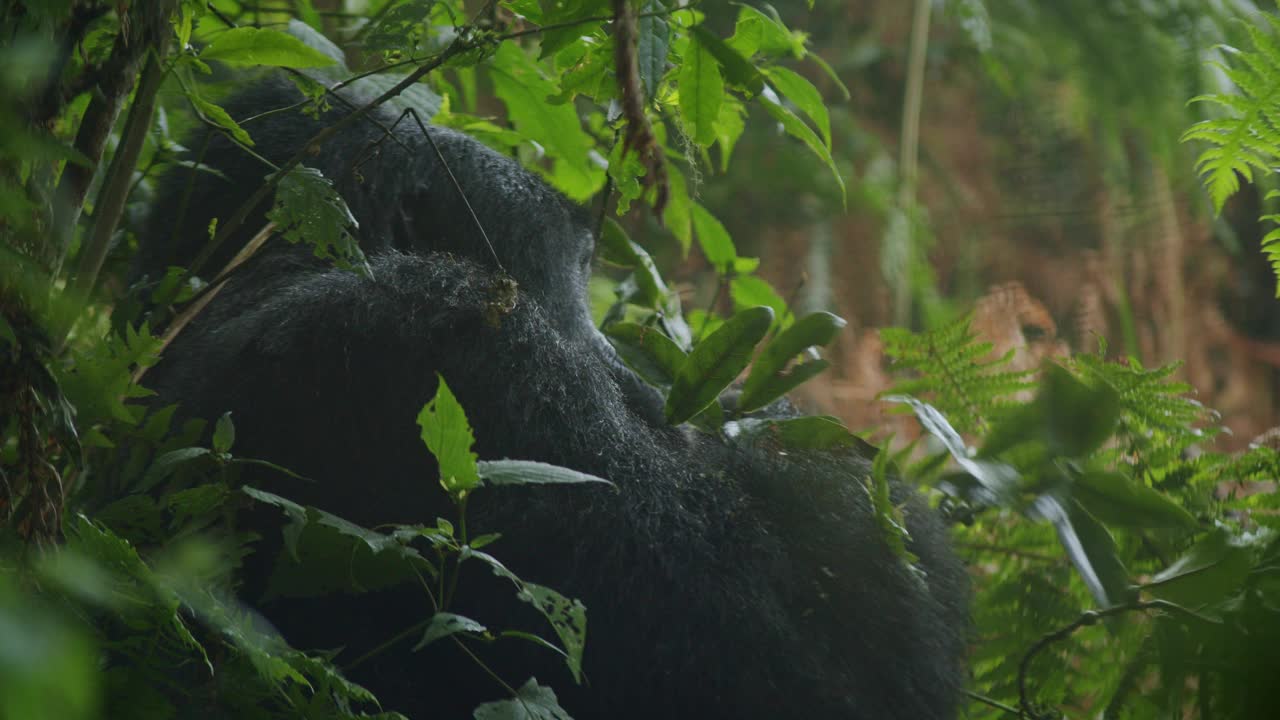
721,581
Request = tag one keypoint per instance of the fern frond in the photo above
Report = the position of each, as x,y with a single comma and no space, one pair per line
1248,137
1156,414
954,372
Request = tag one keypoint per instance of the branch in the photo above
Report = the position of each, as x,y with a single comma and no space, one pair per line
1089,617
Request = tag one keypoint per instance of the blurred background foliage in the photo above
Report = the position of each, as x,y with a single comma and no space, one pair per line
1014,162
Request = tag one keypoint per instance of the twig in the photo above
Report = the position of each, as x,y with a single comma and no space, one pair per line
1089,617
206,296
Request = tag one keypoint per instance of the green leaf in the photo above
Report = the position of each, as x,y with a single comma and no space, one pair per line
756,32
1118,500
224,434
529,472
324,553
519,83
752,290
1211,571
651,354
532,702
678,215
652,42
244,46
737,70
796,128
567,617
1070,417
443,625
808,432
770,377
715,363
713,239
447,434
999,481
617,248
1089,547
701,92
310,211
166,464
805,96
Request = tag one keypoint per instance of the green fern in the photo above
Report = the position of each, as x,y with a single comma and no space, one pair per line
1271,241
951,370
1248,137
1157,415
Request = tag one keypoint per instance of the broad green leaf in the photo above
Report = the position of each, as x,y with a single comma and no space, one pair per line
617,248
532,702
652,43
1089,547
757,32
1071,418
444,624
678,215
805,96
701,92
224,434
729,127
519,83
1118,500
716,362
651,354
713,238
1211,571
808,432
752,290
737,70
447,435
245,46
770,377
529,472
796,128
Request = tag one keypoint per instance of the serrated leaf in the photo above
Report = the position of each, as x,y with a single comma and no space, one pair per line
770,377
448,436
568,617
245,46
715,363
651,354
532,702
310,211
529,472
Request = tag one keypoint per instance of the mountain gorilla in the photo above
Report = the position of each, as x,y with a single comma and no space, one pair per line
722,580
